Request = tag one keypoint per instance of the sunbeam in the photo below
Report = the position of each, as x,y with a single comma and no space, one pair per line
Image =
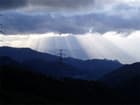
111,45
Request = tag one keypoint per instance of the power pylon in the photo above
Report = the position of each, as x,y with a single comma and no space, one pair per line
1,27
61,55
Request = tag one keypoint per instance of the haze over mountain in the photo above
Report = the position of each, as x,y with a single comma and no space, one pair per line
111,45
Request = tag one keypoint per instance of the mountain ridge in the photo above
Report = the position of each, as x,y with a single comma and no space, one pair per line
45,63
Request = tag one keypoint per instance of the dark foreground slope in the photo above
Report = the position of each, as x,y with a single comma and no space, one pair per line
126,81
18,85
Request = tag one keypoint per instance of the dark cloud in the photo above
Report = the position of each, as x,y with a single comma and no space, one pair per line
49,5
63,4
11,4
19,23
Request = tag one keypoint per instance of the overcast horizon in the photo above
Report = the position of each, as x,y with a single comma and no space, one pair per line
87,29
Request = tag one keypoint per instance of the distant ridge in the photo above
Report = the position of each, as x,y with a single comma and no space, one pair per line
49,64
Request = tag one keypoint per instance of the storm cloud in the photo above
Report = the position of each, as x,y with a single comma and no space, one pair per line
12,4
69,16
20,23
48,5
67,6
63,5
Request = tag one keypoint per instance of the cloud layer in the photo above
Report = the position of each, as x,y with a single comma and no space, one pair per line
21,23
12,4
69,16
48,5
85,6
62,5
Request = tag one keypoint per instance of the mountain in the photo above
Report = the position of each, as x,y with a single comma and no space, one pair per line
94,68
50,64
21,86
125,80
23,54
121,75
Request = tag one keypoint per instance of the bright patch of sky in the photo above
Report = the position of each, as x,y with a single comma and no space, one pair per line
110,45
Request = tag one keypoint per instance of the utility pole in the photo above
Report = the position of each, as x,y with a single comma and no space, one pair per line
1,26
61,53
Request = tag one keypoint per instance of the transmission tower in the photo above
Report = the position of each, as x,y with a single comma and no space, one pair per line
1,29
1,26
61,53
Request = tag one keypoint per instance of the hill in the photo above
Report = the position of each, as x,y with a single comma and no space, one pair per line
125,80
20,86
50,65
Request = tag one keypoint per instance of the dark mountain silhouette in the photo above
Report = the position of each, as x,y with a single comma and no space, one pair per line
23,54
54,69
94,68
126,80
49,64
20,86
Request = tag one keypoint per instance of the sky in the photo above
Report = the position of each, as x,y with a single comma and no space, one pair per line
85,29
